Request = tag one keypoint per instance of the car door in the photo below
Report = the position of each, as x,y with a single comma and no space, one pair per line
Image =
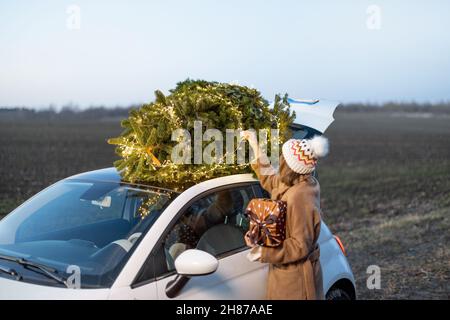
213,222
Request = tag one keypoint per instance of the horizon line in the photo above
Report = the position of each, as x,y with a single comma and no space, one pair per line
76,107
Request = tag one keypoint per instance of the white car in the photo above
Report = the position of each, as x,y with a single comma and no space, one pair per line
93,236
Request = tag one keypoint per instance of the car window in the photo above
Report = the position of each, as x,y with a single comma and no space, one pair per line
69,207
94,225
303,132
299,134
215,223
264,193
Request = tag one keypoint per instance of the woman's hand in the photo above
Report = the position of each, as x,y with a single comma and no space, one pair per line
247,240
250,136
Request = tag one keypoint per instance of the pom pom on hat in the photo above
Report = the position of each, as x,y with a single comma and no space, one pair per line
319,146
301,155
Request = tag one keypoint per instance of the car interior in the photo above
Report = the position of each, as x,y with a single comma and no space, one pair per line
219,236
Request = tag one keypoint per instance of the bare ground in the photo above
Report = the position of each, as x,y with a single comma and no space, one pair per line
386,193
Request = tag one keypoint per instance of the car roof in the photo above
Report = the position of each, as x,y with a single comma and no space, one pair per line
112,175
106,174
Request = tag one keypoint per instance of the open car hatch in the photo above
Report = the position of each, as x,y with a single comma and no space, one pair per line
314,113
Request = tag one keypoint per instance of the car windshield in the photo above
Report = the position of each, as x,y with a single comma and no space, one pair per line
79,226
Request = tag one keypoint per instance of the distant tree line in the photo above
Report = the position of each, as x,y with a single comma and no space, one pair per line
71,113
74,113
440,108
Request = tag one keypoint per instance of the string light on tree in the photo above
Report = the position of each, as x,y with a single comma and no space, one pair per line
145,146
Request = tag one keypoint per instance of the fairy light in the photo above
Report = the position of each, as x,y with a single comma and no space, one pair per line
139,143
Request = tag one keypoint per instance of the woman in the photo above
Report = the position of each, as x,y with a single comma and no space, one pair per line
294,266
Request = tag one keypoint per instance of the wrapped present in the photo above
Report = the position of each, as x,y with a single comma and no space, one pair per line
267,222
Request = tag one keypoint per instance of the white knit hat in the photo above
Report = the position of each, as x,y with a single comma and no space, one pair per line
301,155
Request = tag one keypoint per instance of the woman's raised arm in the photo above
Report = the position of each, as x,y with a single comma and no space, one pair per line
266,174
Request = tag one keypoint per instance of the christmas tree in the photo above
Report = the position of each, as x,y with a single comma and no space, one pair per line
146,146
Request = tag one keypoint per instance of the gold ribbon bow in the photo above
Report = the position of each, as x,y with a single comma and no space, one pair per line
155,160
261,230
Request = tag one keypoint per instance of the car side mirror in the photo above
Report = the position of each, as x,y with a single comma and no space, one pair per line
190,263
194,262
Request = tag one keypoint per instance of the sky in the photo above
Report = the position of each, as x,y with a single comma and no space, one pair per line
106,52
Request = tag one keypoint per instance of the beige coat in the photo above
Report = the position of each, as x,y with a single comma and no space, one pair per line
294,270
